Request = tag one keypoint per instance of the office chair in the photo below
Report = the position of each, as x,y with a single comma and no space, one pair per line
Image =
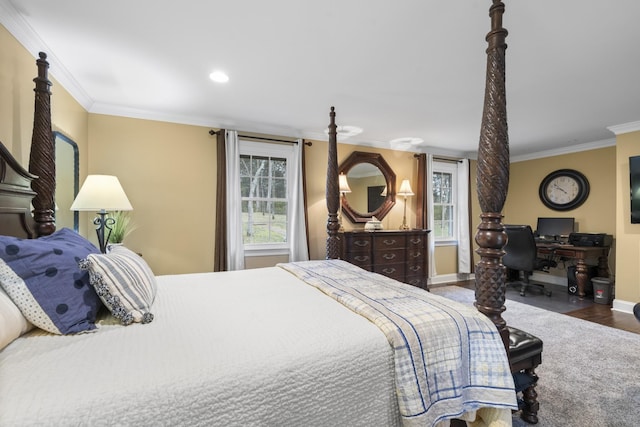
636,311
521,258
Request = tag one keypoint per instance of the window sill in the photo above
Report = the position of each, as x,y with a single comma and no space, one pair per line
446,243
255,252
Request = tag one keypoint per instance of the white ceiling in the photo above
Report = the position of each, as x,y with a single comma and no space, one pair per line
407,68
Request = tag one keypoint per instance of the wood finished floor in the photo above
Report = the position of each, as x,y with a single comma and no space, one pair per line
560,301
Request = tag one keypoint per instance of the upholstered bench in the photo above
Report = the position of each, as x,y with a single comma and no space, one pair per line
525,354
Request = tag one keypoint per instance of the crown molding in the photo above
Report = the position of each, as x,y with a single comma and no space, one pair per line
625,128
11,19
565,150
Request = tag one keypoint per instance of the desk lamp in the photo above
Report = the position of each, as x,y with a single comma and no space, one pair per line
102,193
344,189
405,191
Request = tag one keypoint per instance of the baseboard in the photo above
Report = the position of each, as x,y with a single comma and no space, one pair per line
623,306
443,279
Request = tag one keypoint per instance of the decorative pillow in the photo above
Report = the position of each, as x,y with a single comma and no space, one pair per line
12,322
124,282
42,278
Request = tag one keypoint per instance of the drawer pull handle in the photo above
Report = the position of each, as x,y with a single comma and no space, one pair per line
416,241
361,258
417,254
389,270
389,242
361,243
389,256
415,268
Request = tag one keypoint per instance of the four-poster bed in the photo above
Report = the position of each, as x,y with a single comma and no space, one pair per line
253,347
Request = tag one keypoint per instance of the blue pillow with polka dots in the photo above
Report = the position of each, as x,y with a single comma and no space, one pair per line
43,279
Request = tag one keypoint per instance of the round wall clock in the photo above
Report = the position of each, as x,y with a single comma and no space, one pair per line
564,189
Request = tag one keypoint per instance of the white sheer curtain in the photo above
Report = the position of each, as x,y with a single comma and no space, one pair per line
298,247
235,247
462,203
430,220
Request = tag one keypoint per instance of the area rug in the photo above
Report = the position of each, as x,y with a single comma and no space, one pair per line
590,374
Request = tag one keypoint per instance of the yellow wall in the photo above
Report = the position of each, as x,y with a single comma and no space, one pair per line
627,280
168,172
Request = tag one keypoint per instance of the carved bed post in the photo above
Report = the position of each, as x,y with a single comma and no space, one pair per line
493,179
42,156
332,191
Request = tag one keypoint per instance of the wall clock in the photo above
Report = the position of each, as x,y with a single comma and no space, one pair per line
564,189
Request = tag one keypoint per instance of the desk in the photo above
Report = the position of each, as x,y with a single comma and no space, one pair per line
579,254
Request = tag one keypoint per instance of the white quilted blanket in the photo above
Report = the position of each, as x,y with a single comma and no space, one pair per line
249,348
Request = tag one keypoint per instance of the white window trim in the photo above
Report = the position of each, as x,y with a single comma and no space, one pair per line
448,167
268,149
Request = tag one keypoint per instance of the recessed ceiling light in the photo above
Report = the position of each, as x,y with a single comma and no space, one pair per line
219,77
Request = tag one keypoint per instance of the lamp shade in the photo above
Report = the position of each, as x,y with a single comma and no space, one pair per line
343,183
101,192
405,189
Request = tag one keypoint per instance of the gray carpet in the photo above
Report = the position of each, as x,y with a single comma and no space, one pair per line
590,374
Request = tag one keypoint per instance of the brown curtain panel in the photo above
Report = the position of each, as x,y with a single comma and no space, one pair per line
304,190
220,255
421,195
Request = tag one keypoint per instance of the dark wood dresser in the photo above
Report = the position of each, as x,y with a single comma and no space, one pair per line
399,254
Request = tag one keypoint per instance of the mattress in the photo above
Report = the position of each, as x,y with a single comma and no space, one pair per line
251,348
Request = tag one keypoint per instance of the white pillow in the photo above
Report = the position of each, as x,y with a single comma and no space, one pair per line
124,282
12,322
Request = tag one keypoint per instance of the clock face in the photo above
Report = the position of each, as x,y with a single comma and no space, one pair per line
564,189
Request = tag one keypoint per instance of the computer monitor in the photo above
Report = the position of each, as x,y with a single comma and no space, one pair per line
555,227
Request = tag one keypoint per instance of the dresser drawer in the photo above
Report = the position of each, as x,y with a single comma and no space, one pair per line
388,256
361,259
395,271
416,241
357,243
382,242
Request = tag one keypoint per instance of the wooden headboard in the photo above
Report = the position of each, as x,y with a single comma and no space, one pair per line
492,181
21,189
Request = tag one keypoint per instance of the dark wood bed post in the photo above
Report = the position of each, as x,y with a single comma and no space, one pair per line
332,191
493,179
42,156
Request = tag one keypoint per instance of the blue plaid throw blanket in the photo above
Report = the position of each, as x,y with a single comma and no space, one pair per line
449,358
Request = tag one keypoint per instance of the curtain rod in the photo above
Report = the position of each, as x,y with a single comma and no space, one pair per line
442,159
213,132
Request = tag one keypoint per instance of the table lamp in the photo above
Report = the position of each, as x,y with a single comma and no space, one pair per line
344,189
102,193
405,191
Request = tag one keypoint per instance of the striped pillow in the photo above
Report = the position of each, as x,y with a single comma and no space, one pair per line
124,282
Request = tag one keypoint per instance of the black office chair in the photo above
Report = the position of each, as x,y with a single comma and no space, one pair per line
521,258
636,311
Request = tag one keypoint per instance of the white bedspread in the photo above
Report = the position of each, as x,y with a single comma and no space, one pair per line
286,356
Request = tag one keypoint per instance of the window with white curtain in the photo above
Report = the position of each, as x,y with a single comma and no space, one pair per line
266,190
444,201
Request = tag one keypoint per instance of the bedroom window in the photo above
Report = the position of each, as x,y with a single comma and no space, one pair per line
265,193
444,201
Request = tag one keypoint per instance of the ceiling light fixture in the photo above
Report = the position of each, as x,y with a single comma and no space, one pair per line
346,131
408,140
219,77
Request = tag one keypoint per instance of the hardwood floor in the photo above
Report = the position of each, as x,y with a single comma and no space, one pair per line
602,314
561,302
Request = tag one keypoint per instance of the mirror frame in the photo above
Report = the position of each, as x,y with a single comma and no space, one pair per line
377,160
58,136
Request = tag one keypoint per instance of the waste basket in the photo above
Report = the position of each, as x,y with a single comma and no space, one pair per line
601,290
